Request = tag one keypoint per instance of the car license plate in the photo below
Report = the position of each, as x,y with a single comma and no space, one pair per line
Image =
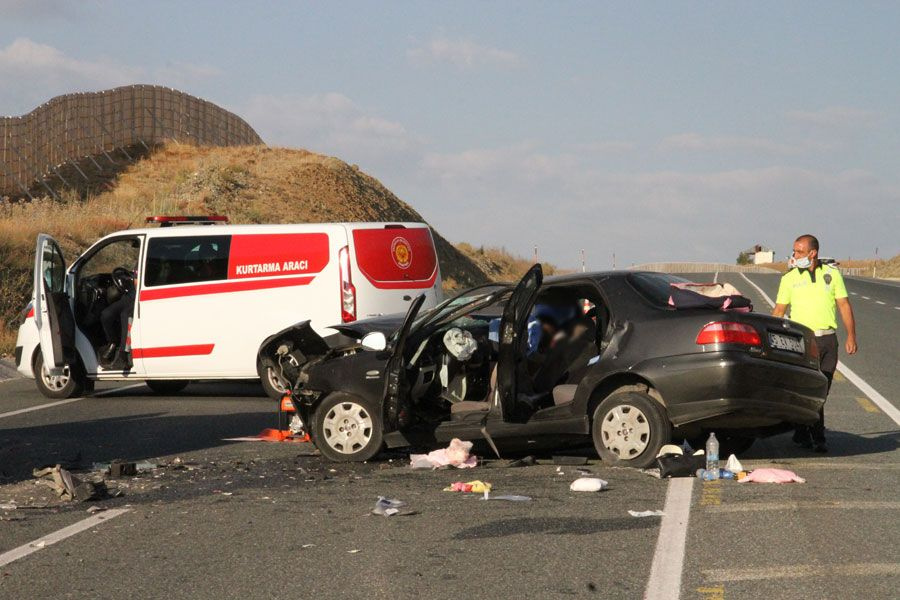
786,342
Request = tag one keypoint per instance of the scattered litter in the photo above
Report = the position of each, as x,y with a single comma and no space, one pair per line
508,497
308,546
652,472
456,455
387,506
671,449
227,493
584,471
95,509
527,461
678,464
772,476
559,471
588,484
477,487
272,435
353,551
646,513
145,465
38,544
118,468
709,475
8,507
734,465
68,487
570,460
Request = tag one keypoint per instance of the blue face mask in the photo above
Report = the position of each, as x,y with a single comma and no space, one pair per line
802,263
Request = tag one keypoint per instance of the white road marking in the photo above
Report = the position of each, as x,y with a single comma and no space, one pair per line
795,571
880,401
21,411
57,536
668,560
803,505
865,297
879,302
854,294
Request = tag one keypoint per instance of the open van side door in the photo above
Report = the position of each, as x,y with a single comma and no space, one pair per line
513,339
50,301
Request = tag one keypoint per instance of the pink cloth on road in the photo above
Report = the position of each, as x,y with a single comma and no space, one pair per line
456,454
772,476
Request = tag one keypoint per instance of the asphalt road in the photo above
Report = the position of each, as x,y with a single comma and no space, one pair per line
249,519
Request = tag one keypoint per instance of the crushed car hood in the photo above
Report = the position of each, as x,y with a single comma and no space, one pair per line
387,325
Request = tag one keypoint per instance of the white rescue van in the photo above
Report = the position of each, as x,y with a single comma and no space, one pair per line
207,296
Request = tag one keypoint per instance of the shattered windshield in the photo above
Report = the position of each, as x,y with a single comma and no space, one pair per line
447,307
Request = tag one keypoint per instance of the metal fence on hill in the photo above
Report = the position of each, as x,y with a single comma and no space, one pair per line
101,126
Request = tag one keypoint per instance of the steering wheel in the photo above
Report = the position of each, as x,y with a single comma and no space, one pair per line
121,278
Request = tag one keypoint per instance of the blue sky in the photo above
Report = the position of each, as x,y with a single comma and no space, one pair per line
650,130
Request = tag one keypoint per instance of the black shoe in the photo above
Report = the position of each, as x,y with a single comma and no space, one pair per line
820,447
803,439
108,353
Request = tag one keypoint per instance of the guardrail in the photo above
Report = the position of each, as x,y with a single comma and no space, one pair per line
700,267
73,127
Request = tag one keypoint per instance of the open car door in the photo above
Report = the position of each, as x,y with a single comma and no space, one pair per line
50,301
394,368
513,339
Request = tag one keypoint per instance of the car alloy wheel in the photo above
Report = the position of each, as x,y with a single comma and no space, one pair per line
626,431
55,383
347,427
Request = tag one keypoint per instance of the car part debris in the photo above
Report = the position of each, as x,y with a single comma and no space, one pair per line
476,487
119,468
588,484
68,487
646,513
526,461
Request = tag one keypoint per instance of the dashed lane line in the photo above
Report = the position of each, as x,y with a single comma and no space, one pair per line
867,405
57,536
882,402
668,560
21,411
865,297
879,302
798,571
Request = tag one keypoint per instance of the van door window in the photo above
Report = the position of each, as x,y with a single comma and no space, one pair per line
172,260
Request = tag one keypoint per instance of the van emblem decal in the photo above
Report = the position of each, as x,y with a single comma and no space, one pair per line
401,252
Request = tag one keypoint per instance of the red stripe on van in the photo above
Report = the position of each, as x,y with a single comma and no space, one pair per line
30,313
396,258
169,351
223,287
264,255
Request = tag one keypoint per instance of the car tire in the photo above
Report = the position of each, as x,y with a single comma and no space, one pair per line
347,428
273,388
166,386
68,385
629,428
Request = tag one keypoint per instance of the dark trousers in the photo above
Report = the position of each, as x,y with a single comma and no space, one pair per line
114,319
828,357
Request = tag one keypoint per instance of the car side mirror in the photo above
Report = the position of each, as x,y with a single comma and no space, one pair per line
374,341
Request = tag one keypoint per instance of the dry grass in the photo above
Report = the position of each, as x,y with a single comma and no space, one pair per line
870,267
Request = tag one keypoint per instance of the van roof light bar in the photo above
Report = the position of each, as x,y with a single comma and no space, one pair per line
168,221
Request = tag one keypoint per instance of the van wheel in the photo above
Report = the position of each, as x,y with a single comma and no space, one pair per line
70,383
629,428
161,386
271,383
347,428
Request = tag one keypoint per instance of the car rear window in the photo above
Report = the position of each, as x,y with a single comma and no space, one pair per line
654,286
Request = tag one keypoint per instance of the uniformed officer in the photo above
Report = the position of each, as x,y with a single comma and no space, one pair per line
813,291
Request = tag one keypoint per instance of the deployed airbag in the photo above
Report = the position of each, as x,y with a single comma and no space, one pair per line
460,344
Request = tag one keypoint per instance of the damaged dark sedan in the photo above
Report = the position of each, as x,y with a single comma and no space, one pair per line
593,357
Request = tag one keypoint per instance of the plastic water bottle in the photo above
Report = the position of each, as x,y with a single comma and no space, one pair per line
712,456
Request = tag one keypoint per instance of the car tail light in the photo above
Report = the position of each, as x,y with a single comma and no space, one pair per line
814,350
348,291
722,332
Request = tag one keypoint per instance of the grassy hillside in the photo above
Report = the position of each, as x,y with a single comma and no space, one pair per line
255,184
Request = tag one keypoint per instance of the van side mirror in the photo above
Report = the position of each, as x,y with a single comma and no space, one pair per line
374,341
